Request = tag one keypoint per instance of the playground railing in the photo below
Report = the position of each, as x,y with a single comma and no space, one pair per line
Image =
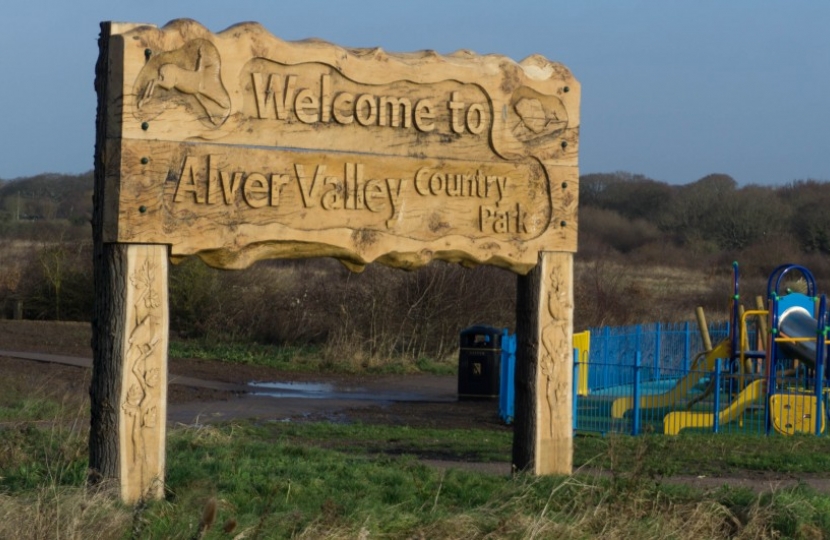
719,401
644,379
659,346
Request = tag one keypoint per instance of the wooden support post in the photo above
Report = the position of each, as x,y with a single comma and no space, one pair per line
703,328
543,436
128,391
763,329
143,410
129,384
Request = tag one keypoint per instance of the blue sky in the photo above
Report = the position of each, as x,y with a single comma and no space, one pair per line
671,89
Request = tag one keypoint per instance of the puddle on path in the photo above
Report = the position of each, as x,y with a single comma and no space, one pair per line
306,390
292,389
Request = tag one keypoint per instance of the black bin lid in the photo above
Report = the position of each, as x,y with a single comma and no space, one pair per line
480,335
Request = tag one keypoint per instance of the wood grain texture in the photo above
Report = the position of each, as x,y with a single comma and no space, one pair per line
128,391
108,265
462,157
143,404
543,437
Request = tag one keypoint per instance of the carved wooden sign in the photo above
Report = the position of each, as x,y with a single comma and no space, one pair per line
239,146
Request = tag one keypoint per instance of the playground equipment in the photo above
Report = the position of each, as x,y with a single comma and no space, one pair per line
785,373
703,364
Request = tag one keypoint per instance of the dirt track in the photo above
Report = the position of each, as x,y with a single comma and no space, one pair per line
202,390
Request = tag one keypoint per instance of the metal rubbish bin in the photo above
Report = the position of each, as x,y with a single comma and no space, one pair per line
479,363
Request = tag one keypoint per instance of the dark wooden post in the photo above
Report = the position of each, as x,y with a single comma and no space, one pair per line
128,392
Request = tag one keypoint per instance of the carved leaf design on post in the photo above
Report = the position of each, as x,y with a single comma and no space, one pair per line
150,417
554,358
144,380
151,377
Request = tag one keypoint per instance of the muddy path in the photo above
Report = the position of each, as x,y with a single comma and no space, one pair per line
58,356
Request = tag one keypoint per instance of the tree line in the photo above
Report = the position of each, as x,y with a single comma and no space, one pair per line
648,251
620,210
626,211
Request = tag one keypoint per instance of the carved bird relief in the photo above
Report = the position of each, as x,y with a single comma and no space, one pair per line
536,121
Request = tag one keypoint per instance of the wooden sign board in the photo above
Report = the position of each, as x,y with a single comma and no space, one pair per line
239,146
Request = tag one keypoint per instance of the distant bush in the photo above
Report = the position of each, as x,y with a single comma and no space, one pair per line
379,312
616,231
56,282
648,251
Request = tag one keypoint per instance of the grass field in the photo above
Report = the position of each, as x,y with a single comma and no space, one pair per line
323,479
332,480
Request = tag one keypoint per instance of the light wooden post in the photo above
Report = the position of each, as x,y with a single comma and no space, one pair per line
129,385
763,329
704,329
543,437
143,404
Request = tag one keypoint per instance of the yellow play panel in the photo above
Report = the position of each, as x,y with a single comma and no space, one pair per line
794,413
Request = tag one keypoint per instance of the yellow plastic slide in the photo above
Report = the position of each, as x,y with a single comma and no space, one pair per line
675,421
681,390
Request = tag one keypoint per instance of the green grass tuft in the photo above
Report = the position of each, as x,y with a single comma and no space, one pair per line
306,358
326,480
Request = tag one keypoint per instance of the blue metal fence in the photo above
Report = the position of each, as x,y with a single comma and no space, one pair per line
717,401
507,386
659,346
